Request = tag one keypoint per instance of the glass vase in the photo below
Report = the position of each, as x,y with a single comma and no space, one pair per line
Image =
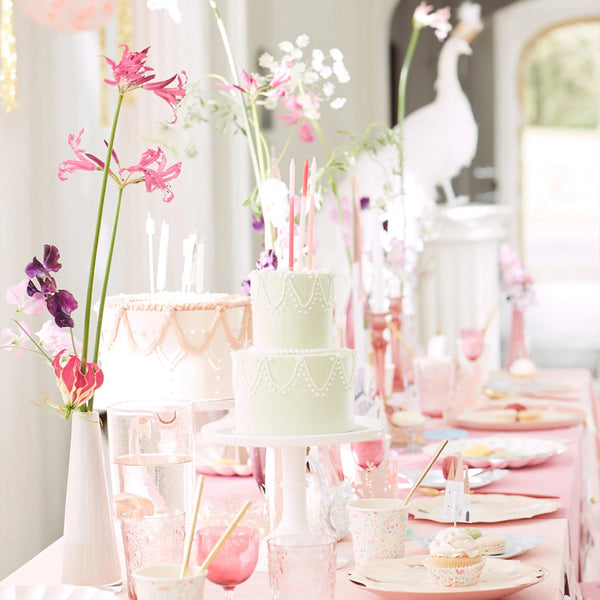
89,541
516,342
395,312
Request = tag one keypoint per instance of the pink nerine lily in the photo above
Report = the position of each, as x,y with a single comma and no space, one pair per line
76,387
171,95
81,162
155,178
131,71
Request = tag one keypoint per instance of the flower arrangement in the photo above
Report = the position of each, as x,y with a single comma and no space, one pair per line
77,376
516,283
299,82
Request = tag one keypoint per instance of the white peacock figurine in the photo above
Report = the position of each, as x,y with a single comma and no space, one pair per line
440,138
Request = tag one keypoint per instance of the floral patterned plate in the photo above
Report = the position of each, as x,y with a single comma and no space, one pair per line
407,579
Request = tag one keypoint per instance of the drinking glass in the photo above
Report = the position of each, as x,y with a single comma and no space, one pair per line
434,380
151,540
151,448
472,344
302,566
236,559
369,454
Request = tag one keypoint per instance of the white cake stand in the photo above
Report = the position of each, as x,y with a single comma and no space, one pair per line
294,518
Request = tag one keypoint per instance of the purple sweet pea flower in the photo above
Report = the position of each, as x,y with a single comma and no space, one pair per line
364,202
245,286
258,224
60,303
267,260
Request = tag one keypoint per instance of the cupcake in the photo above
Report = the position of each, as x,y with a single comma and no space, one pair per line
523,368
455,559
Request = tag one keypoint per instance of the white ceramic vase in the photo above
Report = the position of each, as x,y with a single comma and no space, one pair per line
89,542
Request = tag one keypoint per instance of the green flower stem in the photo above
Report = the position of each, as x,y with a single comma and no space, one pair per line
333,185
236,79
400,115
111,250
90,285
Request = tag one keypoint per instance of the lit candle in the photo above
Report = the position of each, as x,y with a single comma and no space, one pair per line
163,249
150,233
377,264
302,217
291,217
311,213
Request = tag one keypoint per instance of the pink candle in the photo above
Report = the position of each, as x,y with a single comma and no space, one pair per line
291,217
311,212
302,217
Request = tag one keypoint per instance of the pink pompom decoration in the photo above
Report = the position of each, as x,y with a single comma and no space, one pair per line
69,15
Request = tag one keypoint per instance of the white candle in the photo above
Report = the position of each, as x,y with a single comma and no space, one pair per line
199,262
163,249
188,257
150,233
377,265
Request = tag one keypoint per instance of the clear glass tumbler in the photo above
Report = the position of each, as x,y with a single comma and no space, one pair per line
302,566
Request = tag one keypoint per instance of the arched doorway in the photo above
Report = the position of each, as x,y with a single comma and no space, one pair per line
560,187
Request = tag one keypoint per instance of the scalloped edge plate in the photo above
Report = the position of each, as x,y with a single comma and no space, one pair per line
435,478
407,579
529,451
516,543
486,508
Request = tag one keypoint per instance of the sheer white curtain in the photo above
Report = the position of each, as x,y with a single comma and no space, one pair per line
59,93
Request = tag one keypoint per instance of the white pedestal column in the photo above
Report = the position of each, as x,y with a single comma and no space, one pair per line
463,280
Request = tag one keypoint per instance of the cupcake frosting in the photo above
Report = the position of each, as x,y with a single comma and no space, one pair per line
454,542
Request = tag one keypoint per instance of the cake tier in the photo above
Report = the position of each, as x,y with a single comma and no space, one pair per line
292,310
171,345
294,393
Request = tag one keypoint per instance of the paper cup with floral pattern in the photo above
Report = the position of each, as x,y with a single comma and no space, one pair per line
378,527
162,582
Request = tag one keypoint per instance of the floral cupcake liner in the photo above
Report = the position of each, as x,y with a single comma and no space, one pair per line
457,576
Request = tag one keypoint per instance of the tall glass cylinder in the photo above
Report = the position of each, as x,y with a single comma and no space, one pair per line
151,448
516,341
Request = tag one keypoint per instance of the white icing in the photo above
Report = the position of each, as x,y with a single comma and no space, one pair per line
171,345
453,542
523,367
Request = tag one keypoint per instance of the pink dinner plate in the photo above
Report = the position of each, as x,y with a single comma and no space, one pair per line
408,579
491,418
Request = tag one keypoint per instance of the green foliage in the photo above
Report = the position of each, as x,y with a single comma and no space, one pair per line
561,77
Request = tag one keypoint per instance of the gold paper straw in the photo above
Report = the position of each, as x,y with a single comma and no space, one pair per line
225,535
8,57
493,312
425,471
190,537
401,339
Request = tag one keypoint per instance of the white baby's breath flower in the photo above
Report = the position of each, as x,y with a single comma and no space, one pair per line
308,107
326,72
341,72
317,55
310,77
274,195
328,89
266,60
270,103
337,103
286,46
302,41
296,53
336,54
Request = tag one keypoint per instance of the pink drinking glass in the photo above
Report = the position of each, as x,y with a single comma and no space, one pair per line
472,341
368,455
236,559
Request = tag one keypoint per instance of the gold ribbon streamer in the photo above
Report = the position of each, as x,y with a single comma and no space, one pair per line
103,75
8,57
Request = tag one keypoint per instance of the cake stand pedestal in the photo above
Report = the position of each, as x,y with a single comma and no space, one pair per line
294,519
